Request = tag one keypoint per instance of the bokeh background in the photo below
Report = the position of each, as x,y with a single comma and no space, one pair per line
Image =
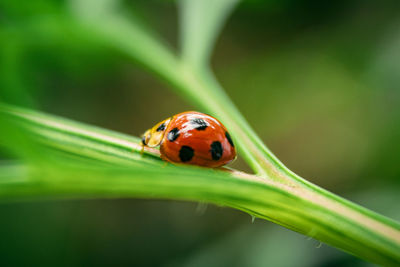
319,81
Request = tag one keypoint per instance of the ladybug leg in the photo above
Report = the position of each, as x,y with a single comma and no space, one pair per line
142,150
143,142
165,159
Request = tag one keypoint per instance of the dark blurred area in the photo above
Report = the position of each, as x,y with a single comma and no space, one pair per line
319,82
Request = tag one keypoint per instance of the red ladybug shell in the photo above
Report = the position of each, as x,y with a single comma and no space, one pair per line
196,138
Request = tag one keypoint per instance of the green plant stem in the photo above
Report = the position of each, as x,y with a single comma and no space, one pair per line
322,216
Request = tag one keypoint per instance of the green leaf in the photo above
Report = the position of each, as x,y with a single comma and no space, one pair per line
86,161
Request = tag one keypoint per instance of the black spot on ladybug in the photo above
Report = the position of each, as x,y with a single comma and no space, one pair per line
199,124
143,140
173,134
161,127
186,153
216,150
228,136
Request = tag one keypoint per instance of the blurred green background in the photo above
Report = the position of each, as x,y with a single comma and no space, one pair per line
318,81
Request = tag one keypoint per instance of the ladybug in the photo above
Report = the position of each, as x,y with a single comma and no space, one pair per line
192,138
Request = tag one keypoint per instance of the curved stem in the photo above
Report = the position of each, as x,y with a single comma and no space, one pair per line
315,213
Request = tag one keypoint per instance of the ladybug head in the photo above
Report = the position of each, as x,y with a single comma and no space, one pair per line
154,136
145,137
